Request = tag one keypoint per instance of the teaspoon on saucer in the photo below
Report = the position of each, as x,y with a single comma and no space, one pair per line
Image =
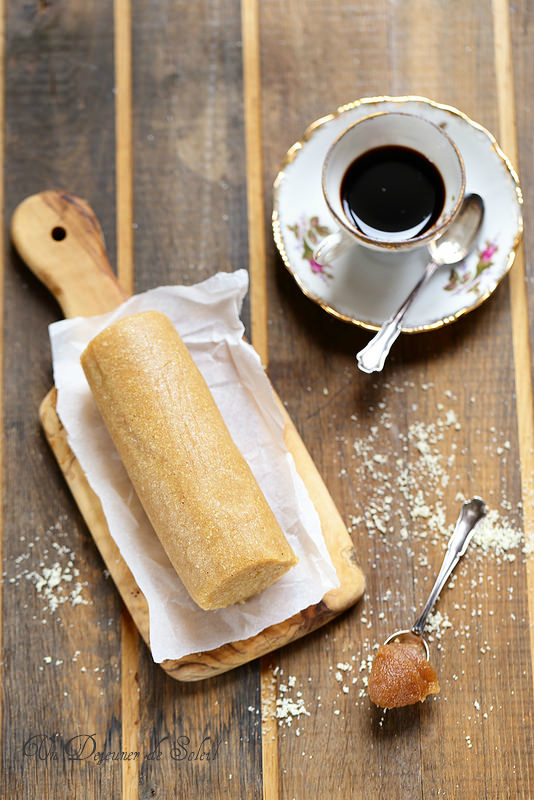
472,512
449,248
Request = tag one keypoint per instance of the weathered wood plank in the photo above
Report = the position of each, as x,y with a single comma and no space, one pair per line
522,33
61,670
191,221
125,273
312,61
518,69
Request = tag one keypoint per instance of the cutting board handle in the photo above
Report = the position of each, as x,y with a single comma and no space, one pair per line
58,236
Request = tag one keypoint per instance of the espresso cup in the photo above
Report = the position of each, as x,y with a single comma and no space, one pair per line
392,182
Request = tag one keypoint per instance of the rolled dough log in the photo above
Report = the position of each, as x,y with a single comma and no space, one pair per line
197,489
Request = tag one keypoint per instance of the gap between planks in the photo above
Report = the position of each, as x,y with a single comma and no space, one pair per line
125,273
2,277
254,177
250,29
123,143
518,294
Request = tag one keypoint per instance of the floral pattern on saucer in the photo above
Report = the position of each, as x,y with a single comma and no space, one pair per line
364,287
461,280
309,232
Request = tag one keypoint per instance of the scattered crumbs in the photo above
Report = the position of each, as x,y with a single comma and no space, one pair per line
287,709
50,568
420,464
414,471
56,584
450,417
436,624
498,536
282,707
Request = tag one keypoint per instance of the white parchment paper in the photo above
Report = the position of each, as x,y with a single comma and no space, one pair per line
207,317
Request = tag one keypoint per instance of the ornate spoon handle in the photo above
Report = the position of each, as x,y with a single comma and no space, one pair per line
470,515
373,356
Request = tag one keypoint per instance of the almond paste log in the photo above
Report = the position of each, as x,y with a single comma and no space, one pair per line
197,489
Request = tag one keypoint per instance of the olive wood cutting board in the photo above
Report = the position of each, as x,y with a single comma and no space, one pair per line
60,239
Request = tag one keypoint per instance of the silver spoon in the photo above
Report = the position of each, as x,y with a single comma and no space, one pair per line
470,515
451,247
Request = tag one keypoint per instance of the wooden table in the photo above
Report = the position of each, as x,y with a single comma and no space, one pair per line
171,119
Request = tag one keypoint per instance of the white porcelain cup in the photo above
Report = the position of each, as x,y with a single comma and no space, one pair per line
378,130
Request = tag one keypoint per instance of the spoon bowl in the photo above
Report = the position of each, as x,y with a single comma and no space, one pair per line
451,247
407,636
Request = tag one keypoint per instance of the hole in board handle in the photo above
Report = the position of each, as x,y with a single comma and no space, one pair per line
58,233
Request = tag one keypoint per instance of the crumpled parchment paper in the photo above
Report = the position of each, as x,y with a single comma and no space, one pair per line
206,316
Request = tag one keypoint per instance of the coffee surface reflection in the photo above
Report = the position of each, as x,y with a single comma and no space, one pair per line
392,193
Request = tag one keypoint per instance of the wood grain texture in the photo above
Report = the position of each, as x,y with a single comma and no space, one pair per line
130,703
59,132
191,220
259,313
125,274
2,272
58,234
521,25
254,164
123,142
514,115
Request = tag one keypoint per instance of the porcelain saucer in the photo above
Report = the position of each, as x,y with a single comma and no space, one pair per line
365,287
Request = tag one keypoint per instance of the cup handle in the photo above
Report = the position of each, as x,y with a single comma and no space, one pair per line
331,247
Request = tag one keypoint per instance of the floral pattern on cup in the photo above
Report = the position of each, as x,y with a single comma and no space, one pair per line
463,281
308,232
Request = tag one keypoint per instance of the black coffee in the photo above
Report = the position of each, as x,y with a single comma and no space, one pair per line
392,192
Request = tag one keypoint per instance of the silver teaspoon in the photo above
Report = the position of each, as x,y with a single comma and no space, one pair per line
471,514
449,248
